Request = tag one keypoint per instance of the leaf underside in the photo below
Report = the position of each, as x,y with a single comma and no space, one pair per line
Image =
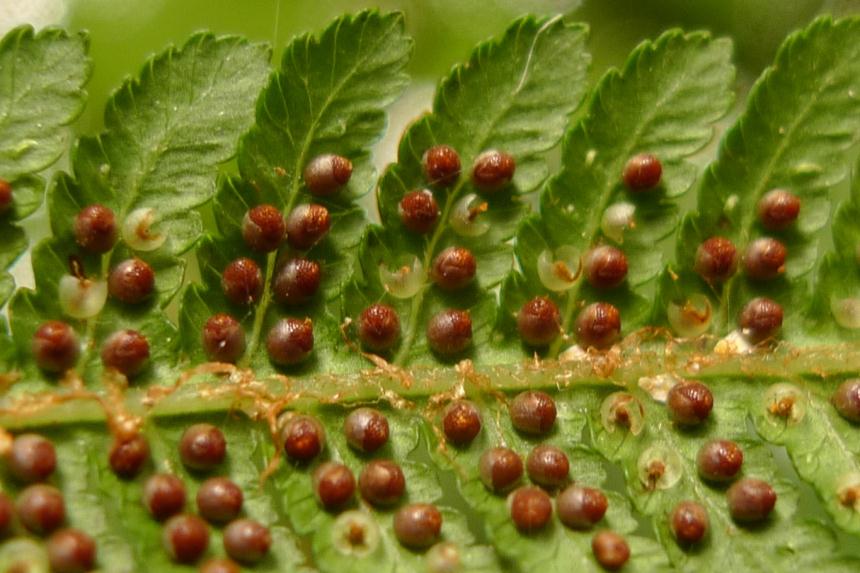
192,108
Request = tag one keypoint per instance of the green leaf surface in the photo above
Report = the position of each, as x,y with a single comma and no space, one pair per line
664,101
514,94
798,132
328,96
166,133
41,92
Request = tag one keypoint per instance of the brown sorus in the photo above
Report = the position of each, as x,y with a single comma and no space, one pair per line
720,460
750,500
778,209
764,259
441,165
643,171
219,500
381,482
95,229
689,403
223,338
454,268
610,550
31,458
242,282
418,525
306,225
581,507
263,228
605,267
531,508
716,259
598,325
379,327
492,170
548,466
126,351
449,332
185,538
55,346
500,469
247,541
71,551
327,174
290,341
132,281
334,484
366,429
761,319
128,455
41,508
419,211
163,495
303,437
297,281
689,522
539,321
461,422
533,412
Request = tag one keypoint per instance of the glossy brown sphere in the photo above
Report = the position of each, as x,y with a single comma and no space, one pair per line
418,525
381,482
720,460
605,267
95,229
303,437
185,538
247,541
750,500
219,565
55,346
716,260
326,174
223,338
461,422
500,469
548,466
441,165
126,351
539,321
581,507
366,429
71,551
419,211
128,456
761,319
533,412
379,327
450,332
41,508
598,325
765,259
778,209
219,500
642,172
296,282
531,508
492,170
334,485
290,341
242,282
132,281
689,403
610,550
307,225
263,228
454,268
163,495
202,447
31,458
846,400
689,522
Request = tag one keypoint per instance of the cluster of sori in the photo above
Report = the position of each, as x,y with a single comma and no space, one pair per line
449,332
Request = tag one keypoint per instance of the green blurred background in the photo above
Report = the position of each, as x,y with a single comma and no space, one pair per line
124,32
